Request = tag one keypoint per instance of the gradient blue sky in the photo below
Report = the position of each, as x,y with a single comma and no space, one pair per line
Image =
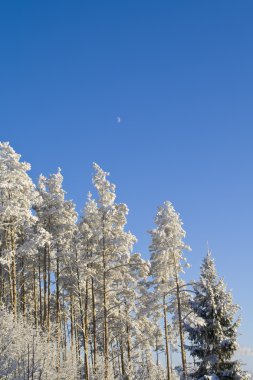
179,74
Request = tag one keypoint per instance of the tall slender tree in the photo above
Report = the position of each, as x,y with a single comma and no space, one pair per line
17,194
58,217
114,246
77,303
167,262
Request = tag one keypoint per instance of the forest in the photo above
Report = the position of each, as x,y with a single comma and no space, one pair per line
77,301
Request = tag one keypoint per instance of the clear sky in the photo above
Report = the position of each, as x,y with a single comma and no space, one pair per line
179,74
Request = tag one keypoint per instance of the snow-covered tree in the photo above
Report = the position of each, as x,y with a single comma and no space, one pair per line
213,333
77,303
57,216
17,194
167,261
113,247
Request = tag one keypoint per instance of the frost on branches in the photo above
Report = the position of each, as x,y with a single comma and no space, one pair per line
77,301
26,352
213,335
167,261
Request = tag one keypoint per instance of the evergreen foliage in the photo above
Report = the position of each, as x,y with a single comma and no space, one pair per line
213,334
76,300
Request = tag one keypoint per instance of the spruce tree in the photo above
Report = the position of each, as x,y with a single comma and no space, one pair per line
214,331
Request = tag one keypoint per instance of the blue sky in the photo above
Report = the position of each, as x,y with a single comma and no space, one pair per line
179,74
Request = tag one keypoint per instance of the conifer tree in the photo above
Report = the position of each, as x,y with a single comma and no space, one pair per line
167,262
77,304
57,216
213,334
17,194
113,246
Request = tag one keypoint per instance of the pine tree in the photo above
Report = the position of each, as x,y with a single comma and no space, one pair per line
214,332
17,194
113,263
77,303
167,262
57,216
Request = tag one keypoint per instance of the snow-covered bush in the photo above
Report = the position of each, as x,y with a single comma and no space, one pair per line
27,353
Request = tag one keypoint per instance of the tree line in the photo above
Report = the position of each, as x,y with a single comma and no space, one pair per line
76,301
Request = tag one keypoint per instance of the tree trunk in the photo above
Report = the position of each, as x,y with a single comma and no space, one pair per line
1,273
122,359
86,365
58,318
106,346
72,326
113,362
77,345
86,327
22,287
48,288
106,351
14,286
40,294
45,286
128,337
13,276
94,327
64,327
118,357
181,331
156,349
35,298
166,340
